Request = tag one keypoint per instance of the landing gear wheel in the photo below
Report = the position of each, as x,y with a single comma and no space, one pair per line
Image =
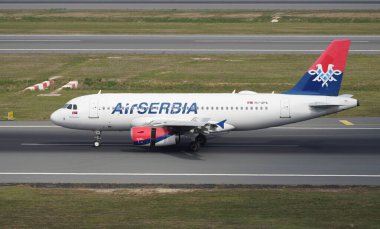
97,138
96,144
201,139
194,146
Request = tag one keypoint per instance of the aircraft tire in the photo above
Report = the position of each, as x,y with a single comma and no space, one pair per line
201,139
194,146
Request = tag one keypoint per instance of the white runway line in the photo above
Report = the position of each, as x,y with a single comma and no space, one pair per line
177,50
30,127
127,144
193,174
328,128
73,144
258,41
188,35
17,40
290,127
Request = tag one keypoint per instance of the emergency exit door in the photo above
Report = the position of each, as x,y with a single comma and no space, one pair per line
285,109
93,109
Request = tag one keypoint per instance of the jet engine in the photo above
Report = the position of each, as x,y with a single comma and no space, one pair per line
151,136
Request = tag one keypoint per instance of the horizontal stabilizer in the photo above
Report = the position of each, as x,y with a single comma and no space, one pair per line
325,105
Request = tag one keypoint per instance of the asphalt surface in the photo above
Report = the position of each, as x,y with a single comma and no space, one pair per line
318,152
180,43
193,4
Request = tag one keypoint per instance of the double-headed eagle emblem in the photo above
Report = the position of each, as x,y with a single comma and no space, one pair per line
324,77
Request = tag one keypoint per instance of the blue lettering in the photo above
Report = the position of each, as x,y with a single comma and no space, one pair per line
192,108
164,106
143,107
176,108
133,106
118,108
126,108
184,108
156,108
153,108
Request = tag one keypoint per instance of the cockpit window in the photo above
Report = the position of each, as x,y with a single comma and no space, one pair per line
75,107
69,106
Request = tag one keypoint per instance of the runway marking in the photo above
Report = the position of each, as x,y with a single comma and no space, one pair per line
30,127
127,144
329,128
1,40
288,127
346,122
184,35
182,50
193,174
258,41
71,144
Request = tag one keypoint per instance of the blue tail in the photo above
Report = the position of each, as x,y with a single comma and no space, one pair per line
324,77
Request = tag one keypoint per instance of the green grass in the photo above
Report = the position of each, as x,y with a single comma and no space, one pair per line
170,73
188,22
26,207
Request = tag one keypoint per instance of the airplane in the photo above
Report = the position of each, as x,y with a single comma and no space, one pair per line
164,119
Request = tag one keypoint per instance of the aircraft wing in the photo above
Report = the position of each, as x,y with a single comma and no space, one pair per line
204,124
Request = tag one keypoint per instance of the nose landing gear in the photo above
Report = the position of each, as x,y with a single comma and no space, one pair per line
97,138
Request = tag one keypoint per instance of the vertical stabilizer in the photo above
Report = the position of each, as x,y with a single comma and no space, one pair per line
324,77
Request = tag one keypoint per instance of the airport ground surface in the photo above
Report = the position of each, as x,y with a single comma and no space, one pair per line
182,43
318,152
192,4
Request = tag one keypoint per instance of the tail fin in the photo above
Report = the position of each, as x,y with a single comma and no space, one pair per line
324,77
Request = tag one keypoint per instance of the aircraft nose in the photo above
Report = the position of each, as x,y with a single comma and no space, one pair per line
55,117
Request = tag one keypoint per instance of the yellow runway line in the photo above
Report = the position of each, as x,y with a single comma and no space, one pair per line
346,122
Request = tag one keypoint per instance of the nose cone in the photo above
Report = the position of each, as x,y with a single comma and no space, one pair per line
55,118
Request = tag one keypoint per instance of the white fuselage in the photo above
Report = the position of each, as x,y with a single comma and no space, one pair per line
242,111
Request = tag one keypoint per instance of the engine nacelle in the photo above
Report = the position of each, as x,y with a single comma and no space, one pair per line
151,136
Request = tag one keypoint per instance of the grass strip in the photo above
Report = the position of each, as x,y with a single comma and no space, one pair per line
186,73
60,21
289,207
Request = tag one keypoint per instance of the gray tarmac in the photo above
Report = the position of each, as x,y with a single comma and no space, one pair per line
318,152
158,44
193,4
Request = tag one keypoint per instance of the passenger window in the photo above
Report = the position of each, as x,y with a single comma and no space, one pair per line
75,107
70,106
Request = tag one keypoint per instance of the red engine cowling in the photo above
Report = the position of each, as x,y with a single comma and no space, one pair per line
150,136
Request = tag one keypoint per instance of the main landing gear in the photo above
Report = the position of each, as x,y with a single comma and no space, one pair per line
200,140
97,138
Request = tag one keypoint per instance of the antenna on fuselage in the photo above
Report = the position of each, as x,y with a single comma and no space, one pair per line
100,92
233,92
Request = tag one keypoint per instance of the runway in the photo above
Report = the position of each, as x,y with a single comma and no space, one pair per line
193,4
319,152
181,43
